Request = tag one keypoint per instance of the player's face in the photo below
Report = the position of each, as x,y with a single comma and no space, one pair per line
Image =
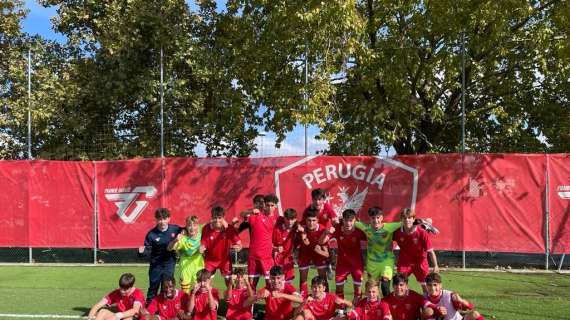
401,289
167,289
319,203
192,229
204,285
372,293
318,290
240,281
270,207
289,223
408,222
312,223
277,282
259,204
217,222
376,221
348,224
162,223
434,289
125,291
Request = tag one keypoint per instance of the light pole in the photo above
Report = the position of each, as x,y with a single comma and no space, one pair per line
261,136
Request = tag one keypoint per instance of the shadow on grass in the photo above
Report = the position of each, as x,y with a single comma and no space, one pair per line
82,309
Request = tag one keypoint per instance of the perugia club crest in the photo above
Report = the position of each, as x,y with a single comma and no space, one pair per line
355,183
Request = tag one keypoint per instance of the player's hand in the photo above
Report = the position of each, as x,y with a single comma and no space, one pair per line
208,286
456,298
235,220
442,311
179,236
255,211
310,299
331,230
264,293
141,249
279,249
300,228
436,269
196,288
202,248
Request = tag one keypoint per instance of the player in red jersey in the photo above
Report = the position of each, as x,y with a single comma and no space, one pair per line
326,214
169,304
260,257
311,251
217,240
445,304
404,303
371,308
284,241
321,305
351,241
236,297
204,299
279,296
415,246
127,299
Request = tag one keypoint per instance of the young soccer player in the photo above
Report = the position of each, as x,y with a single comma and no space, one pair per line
204,299
445,304
371,308
350,243
127,299
311,251
156,243
380,257
284,241
238,292
218,239
260,257
404,303
190,259
258,207
169,304
321,305
326,214
415,246
279,296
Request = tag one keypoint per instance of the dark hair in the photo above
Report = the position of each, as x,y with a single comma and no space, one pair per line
399,278
126,281
217,212
374,211
348,214
290,213
276,271
161,213
312,212
191,219
318,280
167,278
433,277
239,271
271,198
258,199
318,194
203,275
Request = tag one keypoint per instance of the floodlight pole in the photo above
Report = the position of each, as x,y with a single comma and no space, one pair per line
547,216
306,95
30,250
161,104
463,126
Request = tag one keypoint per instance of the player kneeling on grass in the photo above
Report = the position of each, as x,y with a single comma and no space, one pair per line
128,301
445,304
321,305
204,299
371,308
279,296
169,304
238,292
404,304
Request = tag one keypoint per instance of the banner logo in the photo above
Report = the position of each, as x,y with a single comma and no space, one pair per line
124,198
564,192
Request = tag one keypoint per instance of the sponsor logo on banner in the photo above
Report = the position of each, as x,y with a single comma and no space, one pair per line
564,192
349,183
124,198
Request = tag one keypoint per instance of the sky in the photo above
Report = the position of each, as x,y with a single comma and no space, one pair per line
38,22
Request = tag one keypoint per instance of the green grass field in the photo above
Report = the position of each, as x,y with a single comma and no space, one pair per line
72,290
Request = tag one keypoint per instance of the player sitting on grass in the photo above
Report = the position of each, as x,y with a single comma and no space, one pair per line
170,303
285,233
404,303
445,304
350,241
238,292
321,305
190,259
371,308
128,301
311,251
279,296
204,299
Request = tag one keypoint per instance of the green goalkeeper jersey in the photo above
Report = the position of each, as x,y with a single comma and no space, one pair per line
379,241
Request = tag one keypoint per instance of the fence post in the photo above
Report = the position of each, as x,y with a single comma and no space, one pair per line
547,216
95,212
30,250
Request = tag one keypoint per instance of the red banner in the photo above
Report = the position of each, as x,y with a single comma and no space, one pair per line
559,204
14,203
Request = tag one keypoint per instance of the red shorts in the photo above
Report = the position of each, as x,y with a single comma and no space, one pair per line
343,270
305,261
420,271
224,266
259,267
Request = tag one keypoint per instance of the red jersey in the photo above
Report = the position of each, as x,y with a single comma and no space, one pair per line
325,216
218,242
278,308
236,310
169,308
260,245
405,308
286,239
413,246
202,310
370,310
323,309
349,247
124,303
313,236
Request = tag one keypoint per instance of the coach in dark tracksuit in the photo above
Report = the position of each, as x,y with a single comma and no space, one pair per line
162,261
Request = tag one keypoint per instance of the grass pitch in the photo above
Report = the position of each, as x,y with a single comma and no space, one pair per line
70,291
